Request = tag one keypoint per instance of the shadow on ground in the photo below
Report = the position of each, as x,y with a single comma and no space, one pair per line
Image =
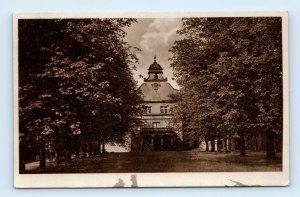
167,161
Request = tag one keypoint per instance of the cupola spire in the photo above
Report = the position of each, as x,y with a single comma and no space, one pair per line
155,72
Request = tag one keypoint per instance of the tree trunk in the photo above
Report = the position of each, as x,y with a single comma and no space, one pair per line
225,145
84,149
99,146
230,143
212,143
256,143
270,148
42,156
242,144
21,166
206,145
58,146
103,148
58,155
77,146
21,158
69,155
278,143
89,149
219,144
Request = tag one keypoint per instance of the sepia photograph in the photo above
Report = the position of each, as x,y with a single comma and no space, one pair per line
151,100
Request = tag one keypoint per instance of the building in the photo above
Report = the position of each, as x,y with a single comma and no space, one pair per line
156,132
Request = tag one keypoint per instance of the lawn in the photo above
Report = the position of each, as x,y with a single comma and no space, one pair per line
167,161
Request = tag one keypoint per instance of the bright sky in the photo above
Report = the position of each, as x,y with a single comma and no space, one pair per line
153,37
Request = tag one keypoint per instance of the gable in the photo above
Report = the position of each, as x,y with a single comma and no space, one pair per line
157,91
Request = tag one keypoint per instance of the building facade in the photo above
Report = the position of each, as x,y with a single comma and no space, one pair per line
156,132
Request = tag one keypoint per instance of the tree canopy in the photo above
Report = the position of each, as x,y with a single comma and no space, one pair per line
230,73
75,79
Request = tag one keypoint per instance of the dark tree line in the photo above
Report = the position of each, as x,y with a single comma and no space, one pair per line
230,73
75,85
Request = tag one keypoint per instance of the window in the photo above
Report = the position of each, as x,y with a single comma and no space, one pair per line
148,109
156,124
164,109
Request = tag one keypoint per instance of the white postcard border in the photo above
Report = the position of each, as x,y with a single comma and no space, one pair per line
195,179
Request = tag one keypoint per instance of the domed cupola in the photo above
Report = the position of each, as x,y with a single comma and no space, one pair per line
155,67
155,72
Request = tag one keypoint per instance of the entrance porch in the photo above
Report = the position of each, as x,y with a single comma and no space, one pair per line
157,139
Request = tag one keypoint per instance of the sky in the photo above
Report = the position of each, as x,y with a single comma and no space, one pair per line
154,36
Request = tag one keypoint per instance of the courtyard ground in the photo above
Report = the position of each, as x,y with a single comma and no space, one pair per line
166,161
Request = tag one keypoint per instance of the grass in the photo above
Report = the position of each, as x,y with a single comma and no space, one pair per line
168,161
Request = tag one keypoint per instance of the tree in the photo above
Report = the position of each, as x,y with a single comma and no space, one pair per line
75,82
231,70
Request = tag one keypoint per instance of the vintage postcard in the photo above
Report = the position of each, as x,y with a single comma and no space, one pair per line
151,99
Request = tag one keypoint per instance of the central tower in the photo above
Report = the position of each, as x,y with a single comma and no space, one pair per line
156,133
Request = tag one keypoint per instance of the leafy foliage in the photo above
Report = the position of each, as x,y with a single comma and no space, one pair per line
230,71
75,80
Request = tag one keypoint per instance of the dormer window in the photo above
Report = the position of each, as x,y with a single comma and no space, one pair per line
164,109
